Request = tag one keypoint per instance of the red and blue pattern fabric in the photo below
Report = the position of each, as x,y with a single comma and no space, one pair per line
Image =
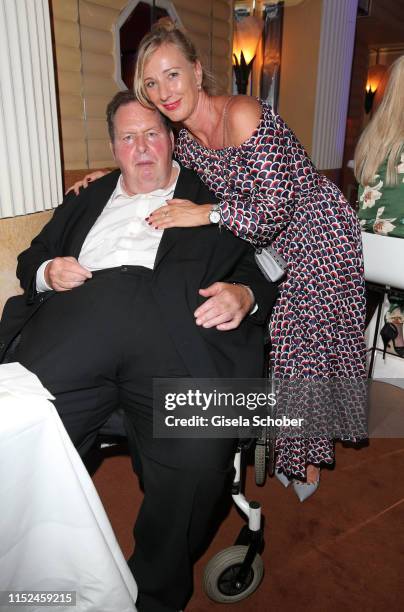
271,193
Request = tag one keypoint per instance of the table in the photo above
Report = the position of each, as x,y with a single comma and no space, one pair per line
54,532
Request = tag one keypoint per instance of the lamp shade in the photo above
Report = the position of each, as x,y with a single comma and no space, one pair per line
376,82
247,32
375,76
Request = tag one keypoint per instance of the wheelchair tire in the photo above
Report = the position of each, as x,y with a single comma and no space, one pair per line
260,464
220,571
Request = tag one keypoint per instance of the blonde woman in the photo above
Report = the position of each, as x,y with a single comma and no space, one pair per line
269,193
379,170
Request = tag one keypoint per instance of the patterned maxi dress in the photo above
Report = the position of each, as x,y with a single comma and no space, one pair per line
270,192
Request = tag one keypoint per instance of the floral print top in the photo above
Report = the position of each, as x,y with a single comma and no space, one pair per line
381,206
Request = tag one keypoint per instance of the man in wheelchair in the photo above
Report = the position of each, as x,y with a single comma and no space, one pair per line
111,303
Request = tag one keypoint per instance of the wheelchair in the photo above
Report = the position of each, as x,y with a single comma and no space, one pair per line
236,572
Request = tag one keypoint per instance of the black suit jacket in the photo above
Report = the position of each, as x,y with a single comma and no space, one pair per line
187,259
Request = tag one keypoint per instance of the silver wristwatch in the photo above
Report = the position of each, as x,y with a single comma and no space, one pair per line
215,216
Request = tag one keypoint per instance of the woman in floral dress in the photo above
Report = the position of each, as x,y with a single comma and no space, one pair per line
379,169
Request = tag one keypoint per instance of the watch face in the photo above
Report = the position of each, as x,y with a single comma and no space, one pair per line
214,216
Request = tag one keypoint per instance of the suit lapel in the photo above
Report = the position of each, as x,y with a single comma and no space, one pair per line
94,203
186,189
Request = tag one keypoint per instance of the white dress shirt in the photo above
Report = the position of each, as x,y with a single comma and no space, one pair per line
121,236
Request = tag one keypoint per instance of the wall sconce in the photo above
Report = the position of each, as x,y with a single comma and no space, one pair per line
376,74
247,33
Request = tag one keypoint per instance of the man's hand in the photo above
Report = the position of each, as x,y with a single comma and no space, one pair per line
64,273
226,307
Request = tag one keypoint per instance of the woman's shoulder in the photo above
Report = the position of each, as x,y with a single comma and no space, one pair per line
245,104
244,114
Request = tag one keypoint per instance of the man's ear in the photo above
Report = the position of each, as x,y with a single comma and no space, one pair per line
111,146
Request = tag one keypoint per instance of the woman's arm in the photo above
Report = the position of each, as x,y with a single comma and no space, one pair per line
256,183
180,213
257,201
242,118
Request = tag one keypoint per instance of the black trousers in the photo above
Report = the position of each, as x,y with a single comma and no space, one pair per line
96,348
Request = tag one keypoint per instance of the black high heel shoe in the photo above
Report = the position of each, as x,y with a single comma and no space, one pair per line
389,333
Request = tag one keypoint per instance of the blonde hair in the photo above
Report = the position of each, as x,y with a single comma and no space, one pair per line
165,32
384,136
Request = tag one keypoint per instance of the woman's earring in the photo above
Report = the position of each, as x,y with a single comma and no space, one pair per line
199,87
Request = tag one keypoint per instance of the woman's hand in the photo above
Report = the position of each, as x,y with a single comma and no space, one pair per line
89,178
180,213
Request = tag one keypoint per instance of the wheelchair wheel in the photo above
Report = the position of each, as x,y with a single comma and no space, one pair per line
218,579
260,464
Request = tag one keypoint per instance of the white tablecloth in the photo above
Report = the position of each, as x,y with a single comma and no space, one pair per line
54,533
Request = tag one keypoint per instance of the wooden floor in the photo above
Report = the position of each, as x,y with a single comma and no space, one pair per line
343,549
